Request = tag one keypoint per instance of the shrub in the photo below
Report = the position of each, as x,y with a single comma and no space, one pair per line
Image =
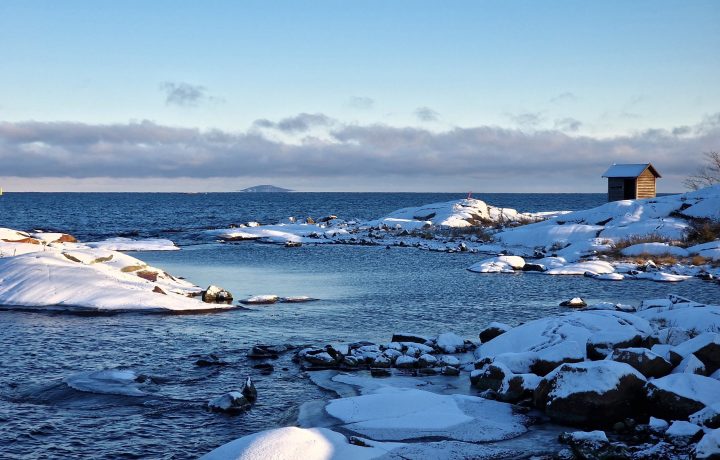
703,231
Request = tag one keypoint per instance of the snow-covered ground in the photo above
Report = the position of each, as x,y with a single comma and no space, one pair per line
49,271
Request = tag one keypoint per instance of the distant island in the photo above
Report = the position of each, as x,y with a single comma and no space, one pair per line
265,189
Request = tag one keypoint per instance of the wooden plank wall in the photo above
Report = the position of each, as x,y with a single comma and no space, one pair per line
646,185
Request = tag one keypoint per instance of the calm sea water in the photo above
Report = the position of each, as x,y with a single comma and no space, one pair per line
366,292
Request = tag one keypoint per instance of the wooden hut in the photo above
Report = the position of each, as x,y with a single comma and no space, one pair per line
631,181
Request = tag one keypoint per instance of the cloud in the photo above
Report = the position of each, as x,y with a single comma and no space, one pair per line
568,124
426,114
567,96
526,119
361,102
300,123
363,153
184,94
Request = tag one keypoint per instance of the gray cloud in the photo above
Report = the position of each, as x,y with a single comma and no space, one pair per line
184,94
300,123
426,114
484,153
526,119
361,102
568,124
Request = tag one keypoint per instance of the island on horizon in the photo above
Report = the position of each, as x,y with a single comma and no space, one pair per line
264,189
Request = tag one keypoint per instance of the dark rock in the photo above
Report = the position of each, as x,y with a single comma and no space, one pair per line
232,402
450,371
493,330
249,390
293,244
416,338
264,368
215,294
600,347
674,397
594,446
380,372
645,361
262,352
575,302
568,396
528,267
209,360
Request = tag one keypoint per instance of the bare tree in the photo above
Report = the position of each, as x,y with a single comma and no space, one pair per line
706,175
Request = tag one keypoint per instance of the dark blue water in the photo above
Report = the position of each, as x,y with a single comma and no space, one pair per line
366,292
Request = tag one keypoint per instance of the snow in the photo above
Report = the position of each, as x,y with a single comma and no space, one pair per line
591,266
588,376
589,436
698,319
404,414
690,346
709,445
280,233
109,382
696,387
128,244
682,429
73,276
450,343
549,336
500,264
709,250
626,170
298,443
655,249
658,425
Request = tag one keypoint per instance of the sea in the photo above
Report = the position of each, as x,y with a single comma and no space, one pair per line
51,407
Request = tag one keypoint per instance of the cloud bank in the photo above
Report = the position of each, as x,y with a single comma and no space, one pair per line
494,157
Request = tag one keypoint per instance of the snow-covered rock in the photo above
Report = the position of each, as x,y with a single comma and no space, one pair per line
683,433
450,343
644,361
595,267
261,299
677,396
654,249
128,244
591,393
499,264
493,330
709,446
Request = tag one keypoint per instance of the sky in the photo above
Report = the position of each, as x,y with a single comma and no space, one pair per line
484,96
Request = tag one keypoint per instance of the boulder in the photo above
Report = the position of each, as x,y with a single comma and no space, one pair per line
450,343
493,330
528,267
406,362
708,417
209,360
575,302
682,433
709,446
426,360
503,383
215,294
235,401
591,393
592,445
249,390
416,338
261,300
678,396
644,361
706,347
690,365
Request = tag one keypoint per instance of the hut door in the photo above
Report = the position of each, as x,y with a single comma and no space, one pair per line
629,189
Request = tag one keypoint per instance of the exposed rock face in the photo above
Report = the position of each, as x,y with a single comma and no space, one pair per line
591,393
678,396
645,361
493,330
215,294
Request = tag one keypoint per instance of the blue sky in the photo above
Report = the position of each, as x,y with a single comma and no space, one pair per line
590,72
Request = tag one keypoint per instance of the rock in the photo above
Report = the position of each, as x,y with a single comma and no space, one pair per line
144,274
249,390
657,425
232,402
406,362
591,393
709,446
682,433
309,220
380,372
678,396
159,290
298,299
708,417
264,368
490,377
293,244
319,358
209,360
261,300
493,330
601,345
507,386
690,365
706,347
450,343
575,302
645,361
427,360
528,267
65,238
593,445
416,338
383,361
451,361
215,294
450,371
262,352
327,218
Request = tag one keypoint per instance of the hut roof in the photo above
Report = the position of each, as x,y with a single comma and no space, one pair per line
630,170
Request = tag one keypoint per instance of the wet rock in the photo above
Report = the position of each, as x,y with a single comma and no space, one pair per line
597,393
528,267
645,361
327,218
261,300
210,360
298,299
575,302
416,338
262,352
293,244
215,294
493,330
264,368
249,390
232,402
380,372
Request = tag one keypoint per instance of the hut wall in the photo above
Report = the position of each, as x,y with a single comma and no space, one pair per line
646,185
616,189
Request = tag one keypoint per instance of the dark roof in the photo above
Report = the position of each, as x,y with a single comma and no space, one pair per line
630,170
